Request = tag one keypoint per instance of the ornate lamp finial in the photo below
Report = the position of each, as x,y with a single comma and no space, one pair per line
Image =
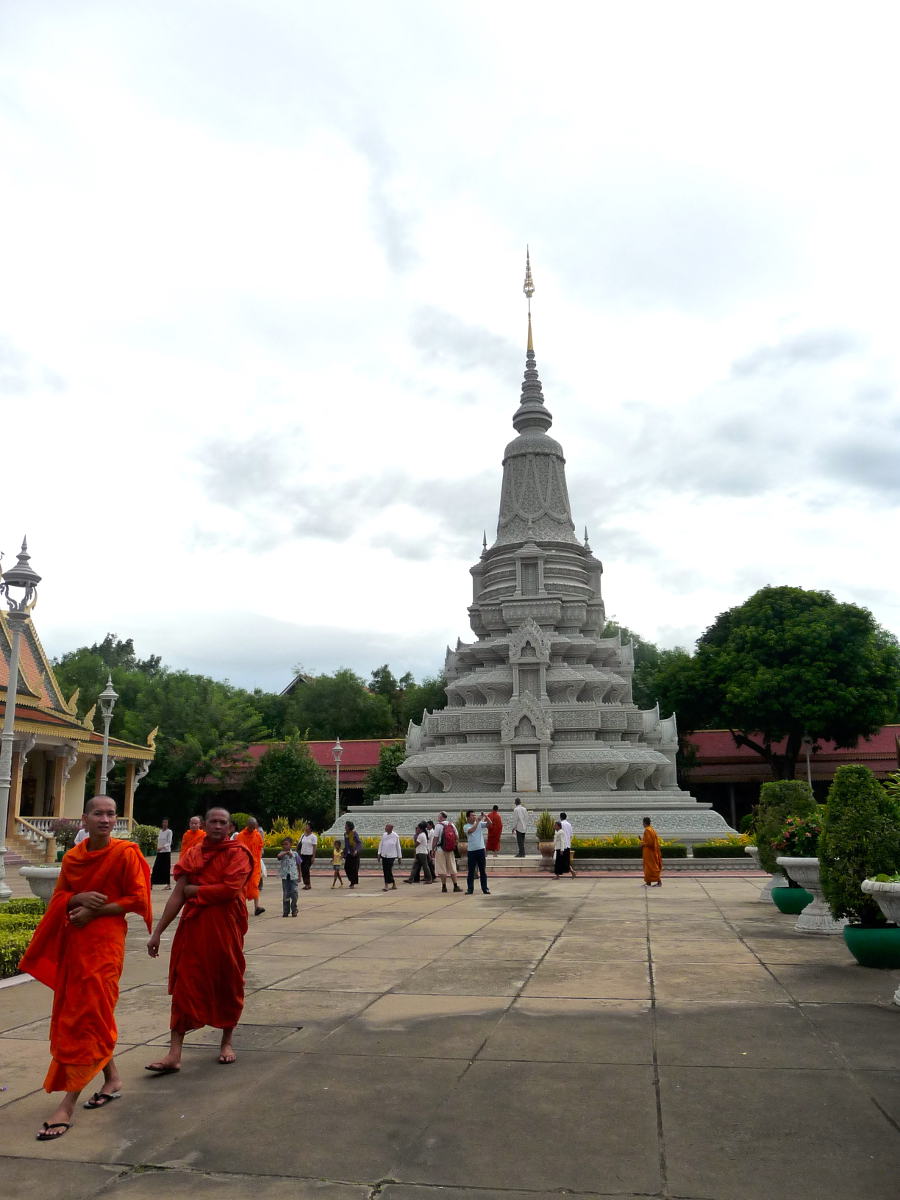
528,289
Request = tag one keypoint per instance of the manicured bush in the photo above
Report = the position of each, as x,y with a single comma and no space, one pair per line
544,826
621,845
861,838
30,905
719,850
673,850
240,819
13,944
14,922
777,801
747,824
145,836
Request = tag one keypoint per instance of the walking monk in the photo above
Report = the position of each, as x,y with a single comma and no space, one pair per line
193,834
206,967
495,829
651,855
253,840
79,950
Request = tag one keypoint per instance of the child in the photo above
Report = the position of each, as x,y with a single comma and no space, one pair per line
287,862
336,858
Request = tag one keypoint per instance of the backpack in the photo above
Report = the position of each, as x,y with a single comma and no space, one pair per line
449,837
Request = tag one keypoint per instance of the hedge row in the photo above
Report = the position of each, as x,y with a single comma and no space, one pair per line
677,850
732,851
13,944
30,905
13,922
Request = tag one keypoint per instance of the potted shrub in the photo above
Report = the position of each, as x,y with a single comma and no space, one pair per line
544,829
801,836
798,842
778,800
861,839
462,842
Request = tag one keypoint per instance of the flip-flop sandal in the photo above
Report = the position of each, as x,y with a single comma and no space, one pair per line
101,1099
226,1062
47,1136
163,1070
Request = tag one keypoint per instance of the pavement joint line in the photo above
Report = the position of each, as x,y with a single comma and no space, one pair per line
654,1051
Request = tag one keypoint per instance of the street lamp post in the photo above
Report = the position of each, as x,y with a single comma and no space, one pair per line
18,586
107,700
807,746
336,751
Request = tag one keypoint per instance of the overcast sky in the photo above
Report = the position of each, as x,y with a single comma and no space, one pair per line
262,330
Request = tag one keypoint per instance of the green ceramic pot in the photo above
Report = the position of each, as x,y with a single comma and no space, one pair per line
874,947
791,900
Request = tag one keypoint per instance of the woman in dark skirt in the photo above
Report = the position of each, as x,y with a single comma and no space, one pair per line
352,848
162,865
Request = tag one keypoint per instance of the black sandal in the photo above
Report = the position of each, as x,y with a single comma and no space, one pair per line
46,1136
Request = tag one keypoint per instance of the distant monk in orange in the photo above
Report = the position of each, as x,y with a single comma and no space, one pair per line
253,840
79,950
495,828
651,855
193,834
206,968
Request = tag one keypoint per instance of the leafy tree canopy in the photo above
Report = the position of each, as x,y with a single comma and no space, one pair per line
339,705
787,663
383,779
289,783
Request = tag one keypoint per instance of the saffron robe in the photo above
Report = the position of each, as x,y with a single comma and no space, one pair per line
83,964
206,968
254,843
651,855
495,828
189,838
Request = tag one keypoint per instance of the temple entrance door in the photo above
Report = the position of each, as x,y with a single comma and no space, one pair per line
525,769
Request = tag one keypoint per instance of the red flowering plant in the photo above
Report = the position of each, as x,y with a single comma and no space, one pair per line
798,838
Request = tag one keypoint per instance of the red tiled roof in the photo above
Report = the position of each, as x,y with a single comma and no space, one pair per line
719,758
359,757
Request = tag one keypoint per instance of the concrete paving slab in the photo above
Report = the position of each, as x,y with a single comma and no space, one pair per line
848,982
584,1121
424,947
591,980
572,1031
797,948
592,927
307,1007
865,1036
478,977
716,981
598,948
799,1125
267,970
448,926
141,1014
315,945
884,1087
352,974
738,1035
726,951
22,1004
79,1181
406,1191
176,1184
511,948
23,1066
420,1026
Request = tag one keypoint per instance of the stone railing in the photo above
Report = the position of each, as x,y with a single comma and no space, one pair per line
45,825
39,837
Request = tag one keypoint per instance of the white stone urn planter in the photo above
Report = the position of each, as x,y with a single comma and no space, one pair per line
41,880
816,917
774,881
887,897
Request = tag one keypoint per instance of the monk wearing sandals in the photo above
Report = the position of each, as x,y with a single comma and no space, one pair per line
79,950
206,967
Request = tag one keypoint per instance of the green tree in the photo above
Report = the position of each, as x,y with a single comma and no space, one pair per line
779,800
289,783
860,838
646,663
430,694
339,705
383,779
786,664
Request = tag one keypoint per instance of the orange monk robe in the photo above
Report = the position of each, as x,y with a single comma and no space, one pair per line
189,838
651,855
253,840
83,964
495,828
206,969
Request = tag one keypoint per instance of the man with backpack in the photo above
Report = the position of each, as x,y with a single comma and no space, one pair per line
445,840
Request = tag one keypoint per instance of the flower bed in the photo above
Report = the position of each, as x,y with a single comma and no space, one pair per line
621,845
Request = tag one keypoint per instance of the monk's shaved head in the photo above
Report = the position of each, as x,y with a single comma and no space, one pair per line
92,800
217,808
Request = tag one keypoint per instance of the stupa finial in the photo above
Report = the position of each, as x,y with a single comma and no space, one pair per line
528,289
587,544
531,413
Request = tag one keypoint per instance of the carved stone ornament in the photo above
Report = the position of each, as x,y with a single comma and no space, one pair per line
539,720
529,635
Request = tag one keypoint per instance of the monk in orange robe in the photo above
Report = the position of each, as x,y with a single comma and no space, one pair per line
495,829
253,840
193,834
206,967
651,855
79,950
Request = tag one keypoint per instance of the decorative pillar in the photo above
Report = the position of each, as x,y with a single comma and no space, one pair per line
59,782
128,814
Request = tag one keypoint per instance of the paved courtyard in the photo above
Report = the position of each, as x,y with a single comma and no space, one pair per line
573,1038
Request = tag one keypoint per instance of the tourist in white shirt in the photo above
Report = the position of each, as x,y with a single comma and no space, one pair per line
422,865
567,831
520,825
308,844
81,835
162,864
389,852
